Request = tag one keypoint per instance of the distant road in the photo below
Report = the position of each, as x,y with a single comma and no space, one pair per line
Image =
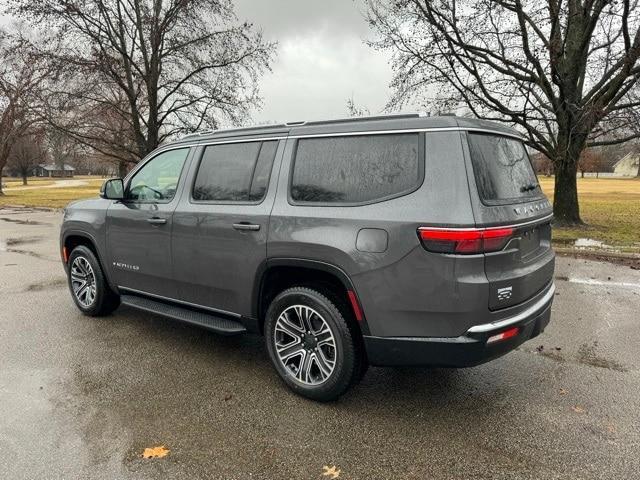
56,184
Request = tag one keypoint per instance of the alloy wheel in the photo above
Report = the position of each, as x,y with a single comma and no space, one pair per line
83,281
305,344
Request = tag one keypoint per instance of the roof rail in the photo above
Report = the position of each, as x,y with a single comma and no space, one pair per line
382,116
299,123
236,129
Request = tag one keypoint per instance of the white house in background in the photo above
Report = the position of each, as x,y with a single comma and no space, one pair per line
627,166
53,170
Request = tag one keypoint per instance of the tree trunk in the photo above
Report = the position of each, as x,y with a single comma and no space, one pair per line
122,169
565,197
3,162
24,179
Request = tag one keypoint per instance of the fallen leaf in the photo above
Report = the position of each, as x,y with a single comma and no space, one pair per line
563,391
332,472
578,409
228,397
540,348
155,452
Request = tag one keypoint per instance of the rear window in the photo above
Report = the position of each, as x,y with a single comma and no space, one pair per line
356,169
502,169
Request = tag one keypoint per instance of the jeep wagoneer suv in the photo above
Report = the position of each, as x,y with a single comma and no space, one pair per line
397,240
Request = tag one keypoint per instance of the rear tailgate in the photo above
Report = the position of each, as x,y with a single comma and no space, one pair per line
505,192
523,268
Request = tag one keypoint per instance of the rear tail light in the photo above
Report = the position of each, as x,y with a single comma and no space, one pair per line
512,332
464,241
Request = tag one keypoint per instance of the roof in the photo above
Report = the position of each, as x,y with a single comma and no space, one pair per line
406,121
630,155
52,167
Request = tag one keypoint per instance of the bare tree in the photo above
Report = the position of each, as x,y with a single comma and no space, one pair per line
63,148
22,76
554,69
591,161
159,68
27,152
542,164
356,111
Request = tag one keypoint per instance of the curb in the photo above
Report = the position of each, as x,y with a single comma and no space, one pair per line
596,253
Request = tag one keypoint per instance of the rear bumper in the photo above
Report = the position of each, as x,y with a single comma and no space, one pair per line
464,351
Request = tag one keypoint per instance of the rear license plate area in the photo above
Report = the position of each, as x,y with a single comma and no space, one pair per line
529,241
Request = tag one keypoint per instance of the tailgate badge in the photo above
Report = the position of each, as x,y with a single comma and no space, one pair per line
505,293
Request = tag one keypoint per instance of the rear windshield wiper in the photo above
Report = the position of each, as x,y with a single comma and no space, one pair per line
529,187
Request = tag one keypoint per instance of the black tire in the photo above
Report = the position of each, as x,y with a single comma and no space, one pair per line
349,360
105,300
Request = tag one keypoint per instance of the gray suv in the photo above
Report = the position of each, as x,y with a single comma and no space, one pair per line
396,240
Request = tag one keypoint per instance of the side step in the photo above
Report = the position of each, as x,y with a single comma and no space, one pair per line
210,321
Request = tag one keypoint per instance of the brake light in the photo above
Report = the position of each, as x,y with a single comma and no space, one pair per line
512,332
464,241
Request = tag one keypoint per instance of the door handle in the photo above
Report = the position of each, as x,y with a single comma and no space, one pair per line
157,221
246,226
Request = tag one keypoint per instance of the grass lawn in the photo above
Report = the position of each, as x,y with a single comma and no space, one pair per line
49,197
611,209
32,181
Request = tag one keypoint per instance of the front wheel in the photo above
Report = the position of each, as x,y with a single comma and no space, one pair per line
311,345
89,288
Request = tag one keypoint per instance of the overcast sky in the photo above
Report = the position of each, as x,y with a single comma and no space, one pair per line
322,60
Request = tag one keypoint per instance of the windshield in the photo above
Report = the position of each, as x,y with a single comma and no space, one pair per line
502,169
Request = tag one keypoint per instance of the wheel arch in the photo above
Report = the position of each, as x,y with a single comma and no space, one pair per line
278,274
74,238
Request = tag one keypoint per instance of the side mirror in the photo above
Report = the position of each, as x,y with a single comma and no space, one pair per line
112,189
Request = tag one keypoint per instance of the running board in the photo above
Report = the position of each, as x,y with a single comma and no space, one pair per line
210,321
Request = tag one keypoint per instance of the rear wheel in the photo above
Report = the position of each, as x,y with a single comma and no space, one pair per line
311,344
89,288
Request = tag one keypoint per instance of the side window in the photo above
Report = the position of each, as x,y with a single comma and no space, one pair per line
234,172
356,169
158,179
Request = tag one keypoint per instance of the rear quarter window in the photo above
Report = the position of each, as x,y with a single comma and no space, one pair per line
356,169
502,169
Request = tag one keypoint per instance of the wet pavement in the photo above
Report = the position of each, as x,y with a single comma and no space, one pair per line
83,397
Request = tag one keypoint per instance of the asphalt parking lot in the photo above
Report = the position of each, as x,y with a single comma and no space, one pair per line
83,397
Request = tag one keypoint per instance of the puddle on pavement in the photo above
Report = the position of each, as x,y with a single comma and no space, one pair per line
23,222
587,355
51,284
11,242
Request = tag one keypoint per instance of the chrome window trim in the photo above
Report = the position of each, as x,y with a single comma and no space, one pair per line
473,229
533,309
153,295
407,130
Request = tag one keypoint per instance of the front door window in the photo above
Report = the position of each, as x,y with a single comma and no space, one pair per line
158,179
